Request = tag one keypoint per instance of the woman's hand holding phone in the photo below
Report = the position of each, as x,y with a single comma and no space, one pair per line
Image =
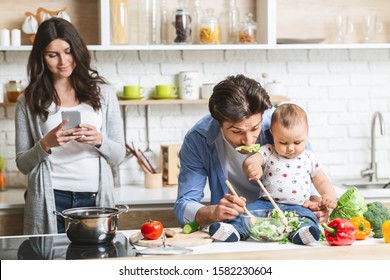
89,135
58,136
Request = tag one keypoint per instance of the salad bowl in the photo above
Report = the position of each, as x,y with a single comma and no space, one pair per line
266,226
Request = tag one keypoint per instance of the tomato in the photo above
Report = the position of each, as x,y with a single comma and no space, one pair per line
152,230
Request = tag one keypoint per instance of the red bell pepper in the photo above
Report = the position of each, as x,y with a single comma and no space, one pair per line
339,232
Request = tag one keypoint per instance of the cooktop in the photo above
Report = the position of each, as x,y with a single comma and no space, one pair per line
59,247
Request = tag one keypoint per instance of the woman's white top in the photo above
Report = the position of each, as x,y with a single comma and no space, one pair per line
75,166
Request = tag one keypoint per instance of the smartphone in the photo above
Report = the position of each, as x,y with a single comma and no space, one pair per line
74,118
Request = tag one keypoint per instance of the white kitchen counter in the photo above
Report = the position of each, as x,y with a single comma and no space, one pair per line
370,248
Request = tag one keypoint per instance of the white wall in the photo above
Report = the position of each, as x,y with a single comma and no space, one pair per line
340,89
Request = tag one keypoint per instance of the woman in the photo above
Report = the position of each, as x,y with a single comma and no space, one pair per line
240,115
66,167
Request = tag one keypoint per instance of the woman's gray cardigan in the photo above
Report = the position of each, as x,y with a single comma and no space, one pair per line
31,159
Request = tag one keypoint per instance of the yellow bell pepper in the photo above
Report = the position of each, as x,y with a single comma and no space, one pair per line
363,227
386,230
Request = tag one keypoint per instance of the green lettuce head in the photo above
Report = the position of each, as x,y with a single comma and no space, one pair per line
350,204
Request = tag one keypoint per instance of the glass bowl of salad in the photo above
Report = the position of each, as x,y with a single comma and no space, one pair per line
266,226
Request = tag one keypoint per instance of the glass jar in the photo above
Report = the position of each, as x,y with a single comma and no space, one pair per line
210,31
119,22
234,20
14,89
247,33
182,23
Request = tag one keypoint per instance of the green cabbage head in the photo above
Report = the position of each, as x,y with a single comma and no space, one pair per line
350,204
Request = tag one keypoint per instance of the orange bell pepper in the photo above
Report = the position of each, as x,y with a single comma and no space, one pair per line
363,227
386,230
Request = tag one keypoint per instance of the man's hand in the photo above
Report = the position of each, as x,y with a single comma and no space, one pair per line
229,207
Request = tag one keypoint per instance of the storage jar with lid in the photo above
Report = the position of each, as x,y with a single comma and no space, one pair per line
247,33
210,31
14,89
182,23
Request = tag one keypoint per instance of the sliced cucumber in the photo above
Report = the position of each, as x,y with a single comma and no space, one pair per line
190,227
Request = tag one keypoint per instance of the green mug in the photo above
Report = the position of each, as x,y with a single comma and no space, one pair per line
133,91
166,90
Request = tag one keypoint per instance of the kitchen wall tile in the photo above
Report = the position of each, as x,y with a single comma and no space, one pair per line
340,90
287,55
209,56
307,67
329,55
370,54
251,55
348,67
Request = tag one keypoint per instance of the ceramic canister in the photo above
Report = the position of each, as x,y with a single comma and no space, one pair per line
189,85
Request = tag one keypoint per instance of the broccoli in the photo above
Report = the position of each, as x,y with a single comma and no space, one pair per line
376,214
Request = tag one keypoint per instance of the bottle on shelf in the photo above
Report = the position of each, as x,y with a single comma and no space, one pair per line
196,14
210,30
164,22
233,22
119,22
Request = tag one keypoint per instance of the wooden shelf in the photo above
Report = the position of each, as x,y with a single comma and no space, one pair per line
275,99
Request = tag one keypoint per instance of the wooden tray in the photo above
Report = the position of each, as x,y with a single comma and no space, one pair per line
196,238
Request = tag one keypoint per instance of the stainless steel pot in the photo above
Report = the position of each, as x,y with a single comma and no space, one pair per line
91,225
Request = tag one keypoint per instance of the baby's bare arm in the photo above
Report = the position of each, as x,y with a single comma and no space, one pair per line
325,187
252,166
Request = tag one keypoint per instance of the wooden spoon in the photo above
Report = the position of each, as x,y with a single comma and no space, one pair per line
280,212
234,192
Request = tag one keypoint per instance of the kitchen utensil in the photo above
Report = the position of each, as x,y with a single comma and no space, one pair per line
234,192
280,212
262,227
148,153
91,225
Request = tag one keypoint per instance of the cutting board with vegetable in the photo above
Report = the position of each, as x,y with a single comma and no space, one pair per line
180,239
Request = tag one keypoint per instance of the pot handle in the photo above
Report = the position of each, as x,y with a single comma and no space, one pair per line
62,215
123,208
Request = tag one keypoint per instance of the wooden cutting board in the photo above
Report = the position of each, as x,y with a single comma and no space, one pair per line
180,239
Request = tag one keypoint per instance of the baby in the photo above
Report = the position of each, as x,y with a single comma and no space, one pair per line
288,171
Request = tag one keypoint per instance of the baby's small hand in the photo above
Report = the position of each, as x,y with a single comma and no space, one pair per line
328,202
252,167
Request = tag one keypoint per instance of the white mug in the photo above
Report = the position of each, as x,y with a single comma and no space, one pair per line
275,88
206,91
189,85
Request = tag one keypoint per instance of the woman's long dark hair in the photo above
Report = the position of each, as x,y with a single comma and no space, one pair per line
237,98
40,92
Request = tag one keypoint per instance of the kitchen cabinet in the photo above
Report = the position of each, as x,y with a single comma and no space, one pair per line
296,23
